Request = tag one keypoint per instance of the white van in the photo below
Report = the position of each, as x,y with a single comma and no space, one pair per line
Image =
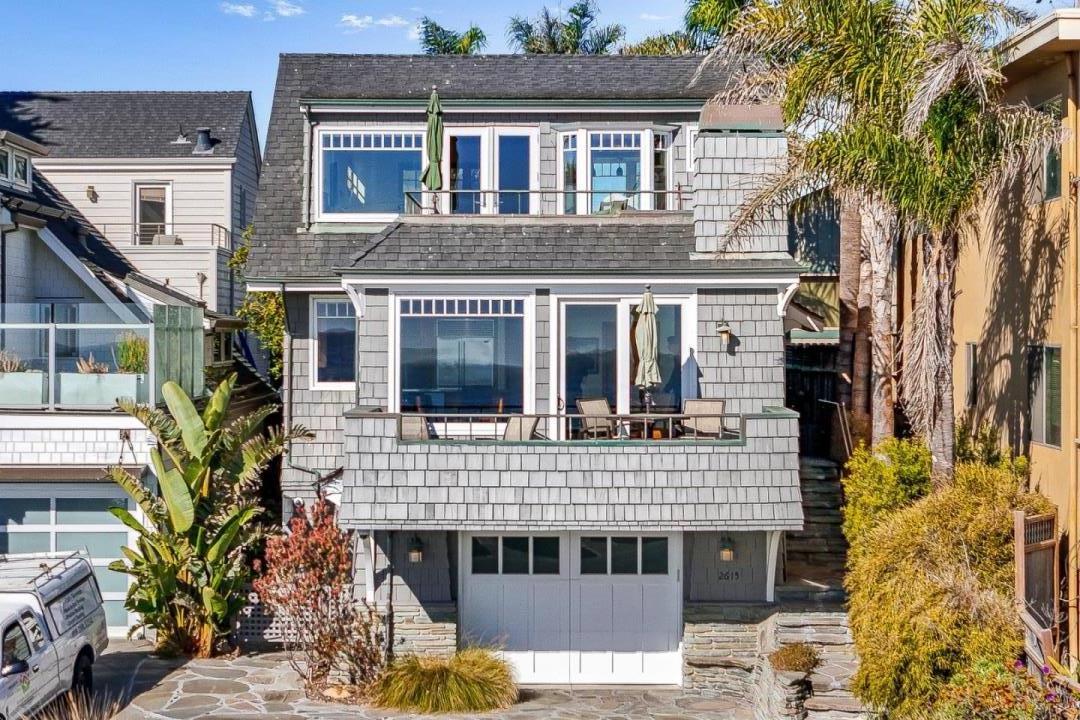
52,629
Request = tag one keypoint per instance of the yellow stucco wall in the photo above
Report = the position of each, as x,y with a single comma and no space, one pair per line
1015,287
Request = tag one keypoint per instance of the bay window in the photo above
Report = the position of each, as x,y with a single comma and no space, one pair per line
369,172
334,347
614,169
461,355
602,171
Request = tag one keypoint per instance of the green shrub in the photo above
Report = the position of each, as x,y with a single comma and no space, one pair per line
992,691
798,657
930,590
879,481
470,680
983,445
132,353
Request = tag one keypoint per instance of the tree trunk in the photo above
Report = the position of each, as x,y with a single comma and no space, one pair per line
942,428
861,408
848,298
879,230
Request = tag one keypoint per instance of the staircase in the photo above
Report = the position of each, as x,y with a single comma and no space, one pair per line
819,551
826,628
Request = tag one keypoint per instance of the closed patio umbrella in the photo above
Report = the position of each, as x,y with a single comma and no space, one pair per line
432,177
648,370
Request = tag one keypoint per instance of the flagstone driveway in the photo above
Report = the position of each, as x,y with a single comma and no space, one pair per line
264,686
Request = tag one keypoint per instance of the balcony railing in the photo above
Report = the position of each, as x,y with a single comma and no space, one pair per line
544,202
80,366
571,427
170,234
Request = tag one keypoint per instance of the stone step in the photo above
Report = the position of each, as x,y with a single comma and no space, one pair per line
838,703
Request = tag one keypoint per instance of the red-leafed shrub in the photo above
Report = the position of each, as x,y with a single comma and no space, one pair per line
329,633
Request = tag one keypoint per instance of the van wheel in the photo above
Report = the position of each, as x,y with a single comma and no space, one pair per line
82,680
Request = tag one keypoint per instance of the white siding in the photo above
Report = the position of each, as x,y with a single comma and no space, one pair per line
35,273
180,268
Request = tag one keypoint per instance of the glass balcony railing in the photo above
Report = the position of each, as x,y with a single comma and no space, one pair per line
73,365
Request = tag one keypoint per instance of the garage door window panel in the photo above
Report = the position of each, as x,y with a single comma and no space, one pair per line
624,556
654,556
545,556
594,556
485,555
515,555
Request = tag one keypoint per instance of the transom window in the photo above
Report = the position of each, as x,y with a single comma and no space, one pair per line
461,355
369,171
335,341
515,555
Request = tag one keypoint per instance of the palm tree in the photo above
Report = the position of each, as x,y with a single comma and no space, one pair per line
704,24
672,43
438,40
575,34
899,106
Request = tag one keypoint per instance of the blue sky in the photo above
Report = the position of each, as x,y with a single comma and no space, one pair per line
233,45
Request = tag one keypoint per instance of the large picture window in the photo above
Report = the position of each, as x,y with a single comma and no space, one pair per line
369,172
335,341
462,355
614,169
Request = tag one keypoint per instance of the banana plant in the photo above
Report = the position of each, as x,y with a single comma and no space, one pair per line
199,520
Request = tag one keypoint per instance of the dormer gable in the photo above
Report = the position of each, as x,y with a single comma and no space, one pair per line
16,160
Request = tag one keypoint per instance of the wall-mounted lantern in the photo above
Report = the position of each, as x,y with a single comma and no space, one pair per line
416,550
91,194
724,331
726,550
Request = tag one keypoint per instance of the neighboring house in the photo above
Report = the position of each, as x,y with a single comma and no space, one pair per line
1016,313
79,328
170,178
454,352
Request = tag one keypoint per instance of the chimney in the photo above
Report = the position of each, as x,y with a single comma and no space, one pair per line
203,145
736,147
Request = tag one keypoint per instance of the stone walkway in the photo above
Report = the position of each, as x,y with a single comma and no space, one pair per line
264,686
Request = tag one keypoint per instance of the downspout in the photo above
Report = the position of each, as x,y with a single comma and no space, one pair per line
1071,521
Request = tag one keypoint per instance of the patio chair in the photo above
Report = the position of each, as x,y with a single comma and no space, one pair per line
520,427
595,420
415,427
704,418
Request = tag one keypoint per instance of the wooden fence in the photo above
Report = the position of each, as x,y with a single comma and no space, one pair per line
1037,584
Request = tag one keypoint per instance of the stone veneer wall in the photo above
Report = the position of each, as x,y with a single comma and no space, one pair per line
722,647
429,629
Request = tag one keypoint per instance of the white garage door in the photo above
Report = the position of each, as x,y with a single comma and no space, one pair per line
576,608
68,518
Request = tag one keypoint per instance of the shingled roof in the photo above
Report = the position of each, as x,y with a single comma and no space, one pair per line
125,124
279,250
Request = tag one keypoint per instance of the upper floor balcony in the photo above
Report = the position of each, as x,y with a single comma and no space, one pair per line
546,202
85,356
170,234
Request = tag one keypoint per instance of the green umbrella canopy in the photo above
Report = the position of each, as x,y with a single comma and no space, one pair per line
432,177
648,370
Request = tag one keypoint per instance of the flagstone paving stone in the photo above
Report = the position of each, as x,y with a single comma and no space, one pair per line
264,686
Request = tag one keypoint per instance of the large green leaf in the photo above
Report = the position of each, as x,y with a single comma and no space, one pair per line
213,602
128,519
178,500
192,430
223,541
218,405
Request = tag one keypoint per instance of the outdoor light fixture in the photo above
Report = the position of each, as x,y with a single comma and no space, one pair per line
726,549
416,550
724,331
91,194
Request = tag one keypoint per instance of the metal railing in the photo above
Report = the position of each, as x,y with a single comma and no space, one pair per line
545,202
570,427
75,366
170,234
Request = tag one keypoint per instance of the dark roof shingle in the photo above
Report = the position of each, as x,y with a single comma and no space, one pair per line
125,124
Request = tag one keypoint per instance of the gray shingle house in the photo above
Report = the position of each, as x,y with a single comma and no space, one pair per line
467,354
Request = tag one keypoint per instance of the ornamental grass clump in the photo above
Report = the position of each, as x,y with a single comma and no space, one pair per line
930,590
798,657
470,680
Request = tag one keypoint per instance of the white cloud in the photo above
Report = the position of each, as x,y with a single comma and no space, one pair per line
392,21
414,32
654,18
356,22
237,9
284,8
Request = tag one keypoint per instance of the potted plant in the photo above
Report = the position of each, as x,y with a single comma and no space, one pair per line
19,384
94,386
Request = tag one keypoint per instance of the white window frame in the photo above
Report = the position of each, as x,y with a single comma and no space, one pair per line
691,131
528,320
584,166
313,344
489,162
136,221
12,154
317,168
557,342
79,490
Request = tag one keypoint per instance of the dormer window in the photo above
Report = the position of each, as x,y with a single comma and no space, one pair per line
366,174
14,167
